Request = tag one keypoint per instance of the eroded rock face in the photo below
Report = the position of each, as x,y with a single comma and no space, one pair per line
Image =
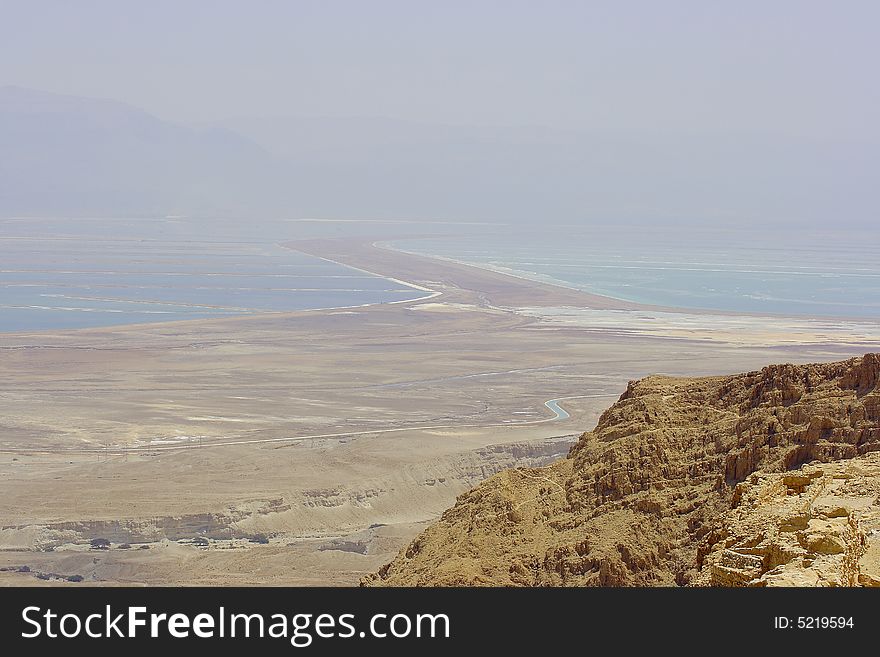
683,481
815,526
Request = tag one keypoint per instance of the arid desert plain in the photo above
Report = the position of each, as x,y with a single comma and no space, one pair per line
307,448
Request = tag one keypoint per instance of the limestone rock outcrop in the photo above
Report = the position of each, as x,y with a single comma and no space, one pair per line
815,526
764,478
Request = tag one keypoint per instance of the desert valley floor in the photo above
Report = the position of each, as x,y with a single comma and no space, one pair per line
307,448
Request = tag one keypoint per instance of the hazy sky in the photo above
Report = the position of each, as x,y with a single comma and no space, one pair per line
797,67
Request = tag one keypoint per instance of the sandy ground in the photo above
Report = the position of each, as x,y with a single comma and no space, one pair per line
307,448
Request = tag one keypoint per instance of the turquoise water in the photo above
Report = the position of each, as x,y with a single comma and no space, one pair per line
76,274
553,405
809,274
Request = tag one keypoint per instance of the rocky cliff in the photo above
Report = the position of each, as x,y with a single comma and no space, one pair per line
764,478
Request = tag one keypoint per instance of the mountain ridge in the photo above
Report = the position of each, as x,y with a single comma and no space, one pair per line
67,154
758,479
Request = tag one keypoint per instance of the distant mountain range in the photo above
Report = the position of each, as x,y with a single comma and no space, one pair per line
71,156
62,154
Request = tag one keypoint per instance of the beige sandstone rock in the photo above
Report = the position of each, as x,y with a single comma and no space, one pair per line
759,479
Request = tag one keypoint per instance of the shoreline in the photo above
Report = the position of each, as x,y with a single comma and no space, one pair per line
431,293
503,289
504,271
445,279
514,273
248,315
